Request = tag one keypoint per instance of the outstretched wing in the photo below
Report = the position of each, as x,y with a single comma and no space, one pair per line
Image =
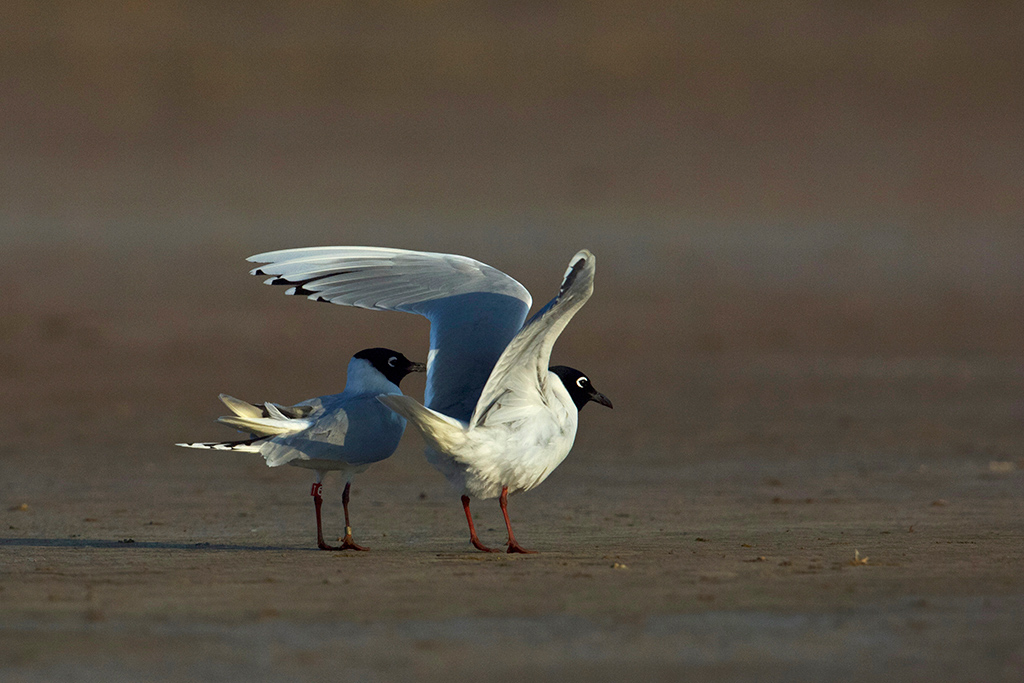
474,310
522,370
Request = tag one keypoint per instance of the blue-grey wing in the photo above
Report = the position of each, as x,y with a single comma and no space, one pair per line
474,309
356,430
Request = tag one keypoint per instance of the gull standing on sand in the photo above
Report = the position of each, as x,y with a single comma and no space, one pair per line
346,432
496,419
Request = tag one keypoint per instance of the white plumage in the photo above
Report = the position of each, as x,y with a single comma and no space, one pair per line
495,419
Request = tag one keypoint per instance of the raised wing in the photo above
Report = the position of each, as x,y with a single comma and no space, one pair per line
521,373
474,310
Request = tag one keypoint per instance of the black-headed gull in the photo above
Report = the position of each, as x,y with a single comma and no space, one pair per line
346,432
495,418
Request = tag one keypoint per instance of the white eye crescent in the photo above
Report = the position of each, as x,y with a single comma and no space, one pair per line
392,361
581,382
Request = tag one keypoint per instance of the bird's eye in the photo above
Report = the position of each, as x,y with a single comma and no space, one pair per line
393,361
581,382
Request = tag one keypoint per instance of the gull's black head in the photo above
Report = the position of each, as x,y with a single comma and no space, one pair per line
579,387
393,365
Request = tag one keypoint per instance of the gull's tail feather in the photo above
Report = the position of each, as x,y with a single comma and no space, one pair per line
261,422
245,409
443,433
249,446
240,407
269,419
264,426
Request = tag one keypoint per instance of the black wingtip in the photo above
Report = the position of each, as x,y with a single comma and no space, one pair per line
570,277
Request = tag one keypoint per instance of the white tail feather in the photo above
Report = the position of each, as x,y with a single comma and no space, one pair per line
264,426
240,407
274,411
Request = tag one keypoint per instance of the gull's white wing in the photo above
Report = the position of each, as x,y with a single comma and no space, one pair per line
521,373
474,309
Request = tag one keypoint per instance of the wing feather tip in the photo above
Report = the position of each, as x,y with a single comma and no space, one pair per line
581,261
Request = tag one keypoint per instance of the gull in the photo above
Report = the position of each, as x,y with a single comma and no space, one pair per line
346,432
495,418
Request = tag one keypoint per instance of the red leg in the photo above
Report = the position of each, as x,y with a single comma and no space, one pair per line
317,502
472,529
347,543
513,545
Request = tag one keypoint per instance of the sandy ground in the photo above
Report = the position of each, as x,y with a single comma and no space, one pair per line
809,313
793,516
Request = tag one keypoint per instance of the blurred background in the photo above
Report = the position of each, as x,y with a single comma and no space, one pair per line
809,312
786,180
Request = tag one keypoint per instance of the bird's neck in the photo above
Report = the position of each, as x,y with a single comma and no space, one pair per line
363,378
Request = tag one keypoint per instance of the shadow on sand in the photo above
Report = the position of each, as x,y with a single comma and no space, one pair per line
130,544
